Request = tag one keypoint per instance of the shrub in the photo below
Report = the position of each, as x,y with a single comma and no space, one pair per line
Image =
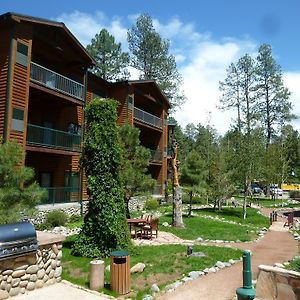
42,226
294,194
56,218
75,218
151,204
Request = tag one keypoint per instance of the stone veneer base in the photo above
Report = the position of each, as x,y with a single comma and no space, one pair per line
29,272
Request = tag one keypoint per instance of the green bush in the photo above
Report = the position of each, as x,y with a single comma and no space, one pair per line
151,204
56,218
294,194
75,218
42,226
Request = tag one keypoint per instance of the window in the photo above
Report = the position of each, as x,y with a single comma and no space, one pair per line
17,119
130,101
22,54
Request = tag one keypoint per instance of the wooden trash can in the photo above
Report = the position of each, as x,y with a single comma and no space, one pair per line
120,272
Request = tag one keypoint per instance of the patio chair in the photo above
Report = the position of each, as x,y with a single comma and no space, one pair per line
151,228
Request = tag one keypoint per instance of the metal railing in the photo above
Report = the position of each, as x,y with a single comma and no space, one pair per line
147,118
43,136
157,190
56,195
156,155
56,81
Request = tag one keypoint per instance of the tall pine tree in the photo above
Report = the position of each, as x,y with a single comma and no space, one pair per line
149,54
111,62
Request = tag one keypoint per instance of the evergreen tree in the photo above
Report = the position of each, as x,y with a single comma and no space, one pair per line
149,54
193,173
18,193
105,226
111,62
135,164
274,108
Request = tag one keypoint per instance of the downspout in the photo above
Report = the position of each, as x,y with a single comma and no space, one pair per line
8,90
82,136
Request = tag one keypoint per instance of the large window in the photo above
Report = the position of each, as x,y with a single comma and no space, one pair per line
17,123
22,54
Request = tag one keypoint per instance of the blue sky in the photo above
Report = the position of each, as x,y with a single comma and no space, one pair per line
205,37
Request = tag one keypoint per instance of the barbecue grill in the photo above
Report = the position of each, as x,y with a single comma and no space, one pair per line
17,239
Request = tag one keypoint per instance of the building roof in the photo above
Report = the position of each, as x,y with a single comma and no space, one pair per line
153,83
15,17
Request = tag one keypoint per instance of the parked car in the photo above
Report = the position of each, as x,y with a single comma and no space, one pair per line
275,190
256,189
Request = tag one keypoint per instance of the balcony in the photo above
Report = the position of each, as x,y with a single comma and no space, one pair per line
147,118
55,81
56,195
156,155
52,138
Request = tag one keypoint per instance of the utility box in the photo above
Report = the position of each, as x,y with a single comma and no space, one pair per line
120,272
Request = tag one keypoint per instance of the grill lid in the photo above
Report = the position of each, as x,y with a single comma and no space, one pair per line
16,232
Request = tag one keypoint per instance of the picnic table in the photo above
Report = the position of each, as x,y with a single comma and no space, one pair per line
135,222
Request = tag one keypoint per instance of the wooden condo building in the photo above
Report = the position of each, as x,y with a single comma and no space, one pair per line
44,86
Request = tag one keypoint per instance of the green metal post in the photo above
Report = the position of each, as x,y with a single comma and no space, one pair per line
246,292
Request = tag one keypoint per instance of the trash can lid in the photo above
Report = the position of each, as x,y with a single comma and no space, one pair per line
119,253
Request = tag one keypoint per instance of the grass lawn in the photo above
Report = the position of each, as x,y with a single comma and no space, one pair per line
164,264
208,229
236,215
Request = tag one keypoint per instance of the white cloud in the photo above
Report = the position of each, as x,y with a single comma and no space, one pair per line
202,61
85,26
292,81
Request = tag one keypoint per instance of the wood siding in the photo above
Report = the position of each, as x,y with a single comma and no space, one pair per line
20,76
4,61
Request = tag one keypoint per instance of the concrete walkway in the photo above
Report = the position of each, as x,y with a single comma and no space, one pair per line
63,290
277,246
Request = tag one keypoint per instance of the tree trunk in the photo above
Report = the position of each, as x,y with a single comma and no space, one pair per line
126,199
177,193
190,206
177,207
245,207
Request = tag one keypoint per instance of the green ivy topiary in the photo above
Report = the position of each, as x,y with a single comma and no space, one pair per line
105,226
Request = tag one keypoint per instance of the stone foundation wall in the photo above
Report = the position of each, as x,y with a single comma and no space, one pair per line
29,272
275,283
69,208
135,203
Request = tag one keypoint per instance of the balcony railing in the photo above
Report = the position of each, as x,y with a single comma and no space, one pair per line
56,195
147,118
56,81
156,155
48,137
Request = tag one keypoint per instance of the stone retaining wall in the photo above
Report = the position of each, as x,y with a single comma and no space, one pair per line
28,272
69,208
135,203
277,283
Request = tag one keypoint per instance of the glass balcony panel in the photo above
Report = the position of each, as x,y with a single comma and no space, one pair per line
43,136
56,195
147,118
156,155
56,81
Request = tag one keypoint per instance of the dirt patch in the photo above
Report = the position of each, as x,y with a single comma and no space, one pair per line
77,273
160,279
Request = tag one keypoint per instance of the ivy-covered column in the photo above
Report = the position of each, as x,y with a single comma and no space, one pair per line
105,225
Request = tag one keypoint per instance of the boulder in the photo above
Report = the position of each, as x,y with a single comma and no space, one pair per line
155,288
138,268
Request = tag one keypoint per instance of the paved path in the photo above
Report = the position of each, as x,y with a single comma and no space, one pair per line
277,246
63,290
